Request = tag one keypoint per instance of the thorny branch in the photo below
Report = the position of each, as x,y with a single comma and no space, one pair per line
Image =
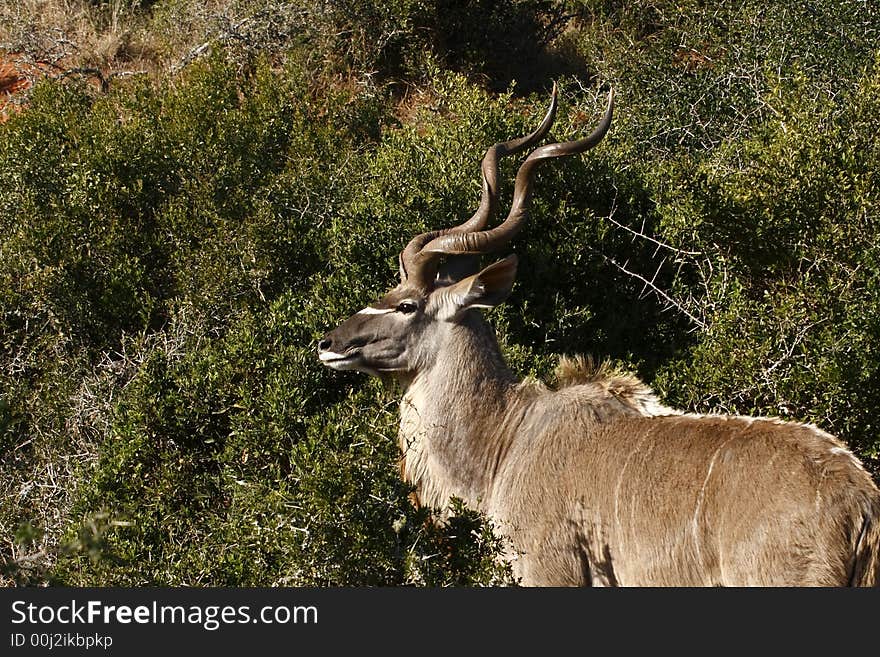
33,65
640,234
649,284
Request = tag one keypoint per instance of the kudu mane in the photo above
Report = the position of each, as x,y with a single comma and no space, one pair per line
602,383
593,480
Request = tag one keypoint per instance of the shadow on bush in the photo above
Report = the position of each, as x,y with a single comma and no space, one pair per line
504,41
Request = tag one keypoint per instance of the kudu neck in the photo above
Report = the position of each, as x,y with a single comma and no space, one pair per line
451,417
467,360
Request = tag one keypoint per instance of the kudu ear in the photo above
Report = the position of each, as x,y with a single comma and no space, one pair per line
485,289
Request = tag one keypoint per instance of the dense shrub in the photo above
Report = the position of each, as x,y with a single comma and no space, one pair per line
181,252
170,251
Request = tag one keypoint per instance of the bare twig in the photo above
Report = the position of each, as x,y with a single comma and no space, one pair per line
277,24
659,292
87,72
642,235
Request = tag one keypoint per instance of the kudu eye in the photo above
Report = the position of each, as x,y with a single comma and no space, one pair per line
407,307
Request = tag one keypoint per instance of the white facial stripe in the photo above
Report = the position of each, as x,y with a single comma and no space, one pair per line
375,311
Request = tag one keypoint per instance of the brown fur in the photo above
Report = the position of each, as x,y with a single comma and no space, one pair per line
597,483
603,381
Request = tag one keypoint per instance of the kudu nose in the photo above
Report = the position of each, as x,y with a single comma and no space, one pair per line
324,344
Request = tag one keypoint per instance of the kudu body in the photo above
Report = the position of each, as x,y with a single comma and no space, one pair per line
594,482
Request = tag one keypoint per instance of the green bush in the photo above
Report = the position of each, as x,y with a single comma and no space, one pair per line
237,196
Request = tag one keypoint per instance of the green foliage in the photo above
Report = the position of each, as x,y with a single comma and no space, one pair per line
170,252
182,251
794,208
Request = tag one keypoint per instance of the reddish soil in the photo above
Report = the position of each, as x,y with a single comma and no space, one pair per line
16,77
18,73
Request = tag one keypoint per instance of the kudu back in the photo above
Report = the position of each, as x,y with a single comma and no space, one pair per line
594,481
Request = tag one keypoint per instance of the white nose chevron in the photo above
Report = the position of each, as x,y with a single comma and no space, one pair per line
369,310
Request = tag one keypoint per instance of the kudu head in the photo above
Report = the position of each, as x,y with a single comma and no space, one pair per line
440,278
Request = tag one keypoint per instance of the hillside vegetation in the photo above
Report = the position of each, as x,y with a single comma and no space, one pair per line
192,193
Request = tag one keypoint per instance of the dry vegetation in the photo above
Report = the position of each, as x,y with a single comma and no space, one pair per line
104,40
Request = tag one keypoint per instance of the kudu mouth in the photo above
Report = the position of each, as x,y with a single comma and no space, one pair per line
364,352
339,358
339,361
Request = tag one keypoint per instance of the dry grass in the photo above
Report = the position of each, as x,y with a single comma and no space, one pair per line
60,38
125,35
74,31
105,40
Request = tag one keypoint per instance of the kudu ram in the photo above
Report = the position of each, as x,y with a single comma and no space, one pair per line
595,482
